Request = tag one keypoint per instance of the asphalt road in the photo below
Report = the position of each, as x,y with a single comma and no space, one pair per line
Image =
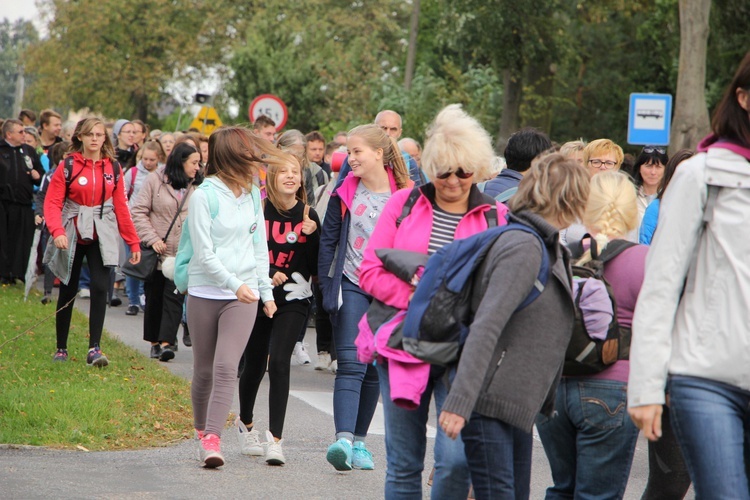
174,471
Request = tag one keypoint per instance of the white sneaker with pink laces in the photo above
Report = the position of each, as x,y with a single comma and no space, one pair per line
211,456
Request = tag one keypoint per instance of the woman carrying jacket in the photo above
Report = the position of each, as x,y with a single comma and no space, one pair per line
85,214
457,153
378,170
691,329
511,362
162,195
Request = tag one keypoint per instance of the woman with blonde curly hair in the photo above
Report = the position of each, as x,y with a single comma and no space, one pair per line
590,440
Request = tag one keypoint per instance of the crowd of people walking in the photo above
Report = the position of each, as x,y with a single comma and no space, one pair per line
246,237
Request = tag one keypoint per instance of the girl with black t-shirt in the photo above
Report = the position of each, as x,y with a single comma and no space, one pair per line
293,233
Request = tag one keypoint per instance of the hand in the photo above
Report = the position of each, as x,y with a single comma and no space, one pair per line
279,278
245,295
648,419
451,423
61,242
35,175
269,308
135,258
38,220
308,225
159,247
299,288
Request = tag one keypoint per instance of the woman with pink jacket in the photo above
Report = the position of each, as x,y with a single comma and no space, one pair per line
457,154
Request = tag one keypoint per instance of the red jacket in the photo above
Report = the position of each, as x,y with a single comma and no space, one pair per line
86,189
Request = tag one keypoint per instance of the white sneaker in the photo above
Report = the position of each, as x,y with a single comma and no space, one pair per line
324,361
249,440
84,293
274,455
300,354
334,366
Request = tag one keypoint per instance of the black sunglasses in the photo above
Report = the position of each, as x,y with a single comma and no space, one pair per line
654,149
460,173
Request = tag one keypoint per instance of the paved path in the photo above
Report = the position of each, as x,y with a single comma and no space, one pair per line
174,472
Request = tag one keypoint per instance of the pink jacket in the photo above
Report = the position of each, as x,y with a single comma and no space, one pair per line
409,375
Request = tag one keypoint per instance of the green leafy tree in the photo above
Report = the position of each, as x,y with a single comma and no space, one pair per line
14,38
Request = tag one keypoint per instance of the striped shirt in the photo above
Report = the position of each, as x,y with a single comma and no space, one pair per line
443,229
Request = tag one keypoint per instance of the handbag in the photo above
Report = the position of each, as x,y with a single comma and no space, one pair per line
149,258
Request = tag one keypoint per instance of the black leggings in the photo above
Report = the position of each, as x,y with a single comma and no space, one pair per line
275,337
668,477
163,310
98,287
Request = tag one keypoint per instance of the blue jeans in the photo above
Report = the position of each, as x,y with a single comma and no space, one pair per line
590,440
134,285
355,391
499,457
406,441
712,423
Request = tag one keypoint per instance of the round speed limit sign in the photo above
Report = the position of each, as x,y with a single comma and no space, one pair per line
271,106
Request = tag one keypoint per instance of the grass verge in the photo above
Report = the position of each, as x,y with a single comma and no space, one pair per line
132,403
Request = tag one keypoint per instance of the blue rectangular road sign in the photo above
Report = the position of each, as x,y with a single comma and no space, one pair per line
649,119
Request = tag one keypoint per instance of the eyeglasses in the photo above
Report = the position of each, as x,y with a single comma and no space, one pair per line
95,136
654,149
460,173
607,164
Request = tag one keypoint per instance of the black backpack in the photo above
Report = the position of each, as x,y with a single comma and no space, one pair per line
586,355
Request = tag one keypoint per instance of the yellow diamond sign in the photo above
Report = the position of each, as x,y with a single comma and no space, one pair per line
207,120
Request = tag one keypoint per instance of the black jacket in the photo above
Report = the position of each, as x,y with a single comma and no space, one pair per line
16,164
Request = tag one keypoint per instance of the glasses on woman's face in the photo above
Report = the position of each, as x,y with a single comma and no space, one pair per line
609,165
460,173
654,149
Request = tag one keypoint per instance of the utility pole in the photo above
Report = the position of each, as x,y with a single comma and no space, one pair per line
18,98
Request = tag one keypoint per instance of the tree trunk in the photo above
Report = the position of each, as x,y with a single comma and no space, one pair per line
512,86
540,78
140,99
690,123
411,56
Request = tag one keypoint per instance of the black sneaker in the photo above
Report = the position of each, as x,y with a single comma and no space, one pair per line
132,310
186,336
155,351
46,299
61,355
175,346
116,301
166,353
96,358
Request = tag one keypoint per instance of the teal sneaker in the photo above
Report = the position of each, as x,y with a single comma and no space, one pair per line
340,455
361,457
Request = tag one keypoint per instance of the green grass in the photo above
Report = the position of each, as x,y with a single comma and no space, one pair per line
132,403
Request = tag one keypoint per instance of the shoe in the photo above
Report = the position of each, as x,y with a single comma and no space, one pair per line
46,299
339,455
84,293
96,358
274,455
324,361
211,456
300,354
142,300
132,310
166,353
61,355
115,301
186,336
175,346
334,366
361,457
249,440
155,351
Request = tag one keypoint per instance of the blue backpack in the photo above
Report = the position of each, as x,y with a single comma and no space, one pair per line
439,315
185,248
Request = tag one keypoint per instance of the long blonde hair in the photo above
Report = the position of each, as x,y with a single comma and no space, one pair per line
376,138
272,192
612,210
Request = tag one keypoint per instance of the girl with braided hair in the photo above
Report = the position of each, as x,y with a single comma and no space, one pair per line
590,440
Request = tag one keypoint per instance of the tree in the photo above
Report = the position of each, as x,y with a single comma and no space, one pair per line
14,38
116,57
690,123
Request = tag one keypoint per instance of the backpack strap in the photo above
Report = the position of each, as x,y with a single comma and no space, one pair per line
613,249
708,216
132,181
491,216
409,204
507,194
69,177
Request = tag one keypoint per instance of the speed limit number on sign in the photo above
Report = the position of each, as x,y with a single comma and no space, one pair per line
271,106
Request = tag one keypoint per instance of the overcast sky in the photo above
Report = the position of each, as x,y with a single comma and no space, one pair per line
20,9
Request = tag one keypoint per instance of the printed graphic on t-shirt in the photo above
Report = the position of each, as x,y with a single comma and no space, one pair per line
283,233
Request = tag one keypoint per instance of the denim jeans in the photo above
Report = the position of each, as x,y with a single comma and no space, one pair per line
712,423
590,439
406,442
355,391
499,457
